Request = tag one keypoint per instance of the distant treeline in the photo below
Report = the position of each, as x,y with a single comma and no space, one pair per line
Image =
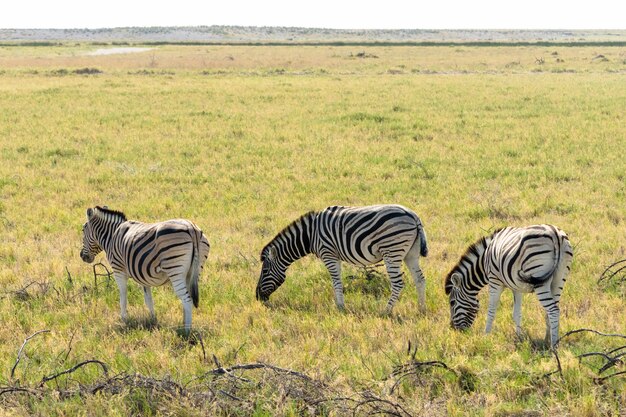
326,43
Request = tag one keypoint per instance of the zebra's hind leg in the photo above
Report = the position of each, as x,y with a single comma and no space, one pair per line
547,337
122,283
393,263
180,288
517,312
147,296
551,307
412,262
495,291
334,268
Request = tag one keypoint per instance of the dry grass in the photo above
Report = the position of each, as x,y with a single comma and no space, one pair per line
245,151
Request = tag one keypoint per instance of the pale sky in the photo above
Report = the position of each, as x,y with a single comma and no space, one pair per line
336,14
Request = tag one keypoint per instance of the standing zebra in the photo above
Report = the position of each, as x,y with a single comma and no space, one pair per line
530,259
357,235
151,254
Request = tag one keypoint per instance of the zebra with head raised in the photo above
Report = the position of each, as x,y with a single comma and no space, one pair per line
151,254
357,235
530,259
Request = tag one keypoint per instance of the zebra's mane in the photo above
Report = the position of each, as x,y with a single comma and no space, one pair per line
112,212
471,250
297,221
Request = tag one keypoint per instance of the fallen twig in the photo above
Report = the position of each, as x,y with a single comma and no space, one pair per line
72,369
69,345
199,337
19,352
571,332
604,378
608,274
9,390
378,406
258,365
96,274
415,368
22,293
69,276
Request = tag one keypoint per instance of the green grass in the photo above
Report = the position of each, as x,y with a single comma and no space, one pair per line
244,149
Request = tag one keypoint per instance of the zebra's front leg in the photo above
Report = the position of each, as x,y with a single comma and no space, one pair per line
334,268
495,291
180,288
517,312
394,270
147,296
122,284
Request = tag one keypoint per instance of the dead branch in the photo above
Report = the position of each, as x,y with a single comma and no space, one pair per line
224,392
415,369
571,332
97,274
69,345
9,390
559,368
617,349
199,337
589,354
258,365
611,363
379,406
22,293
19,352
74,368
608,274
69,276
231,396
604,378
119,383
610,360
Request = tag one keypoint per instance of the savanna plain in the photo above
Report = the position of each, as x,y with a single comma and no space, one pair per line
244,139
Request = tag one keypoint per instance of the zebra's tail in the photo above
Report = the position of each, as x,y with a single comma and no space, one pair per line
423,243
194,271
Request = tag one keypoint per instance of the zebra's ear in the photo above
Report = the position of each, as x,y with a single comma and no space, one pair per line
271,254
89,213
456,279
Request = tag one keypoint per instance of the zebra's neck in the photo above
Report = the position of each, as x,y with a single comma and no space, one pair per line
104,226
294,242
472,267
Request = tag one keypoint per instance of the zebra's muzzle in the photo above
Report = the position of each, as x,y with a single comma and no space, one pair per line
86,257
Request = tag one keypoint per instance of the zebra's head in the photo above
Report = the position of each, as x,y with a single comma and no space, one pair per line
272,274
463,304
91,247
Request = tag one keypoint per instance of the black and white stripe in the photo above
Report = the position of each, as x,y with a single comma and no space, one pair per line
151,254
357,235
530,259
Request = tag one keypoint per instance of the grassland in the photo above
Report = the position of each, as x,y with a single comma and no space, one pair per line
242,140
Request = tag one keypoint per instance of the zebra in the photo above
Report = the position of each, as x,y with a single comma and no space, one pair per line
151,254
530,259
358,235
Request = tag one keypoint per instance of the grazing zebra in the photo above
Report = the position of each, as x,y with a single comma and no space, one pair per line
151,254
357,235
530,259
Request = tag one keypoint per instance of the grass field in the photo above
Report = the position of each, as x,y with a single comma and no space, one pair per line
243,140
